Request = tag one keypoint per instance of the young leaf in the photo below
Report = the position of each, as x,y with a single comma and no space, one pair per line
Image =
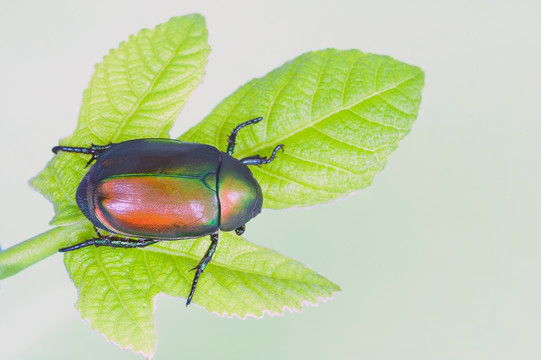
137,91
339,115
117,286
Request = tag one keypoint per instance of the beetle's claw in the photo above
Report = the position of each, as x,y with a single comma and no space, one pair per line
92,158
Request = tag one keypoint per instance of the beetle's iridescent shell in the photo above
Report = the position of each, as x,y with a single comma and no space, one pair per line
155,188
168,189
239,193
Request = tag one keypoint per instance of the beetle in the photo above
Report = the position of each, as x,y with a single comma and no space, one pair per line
144,191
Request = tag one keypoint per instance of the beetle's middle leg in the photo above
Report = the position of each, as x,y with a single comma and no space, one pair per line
203,264
111,241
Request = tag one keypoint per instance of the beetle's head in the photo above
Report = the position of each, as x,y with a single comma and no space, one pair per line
239,193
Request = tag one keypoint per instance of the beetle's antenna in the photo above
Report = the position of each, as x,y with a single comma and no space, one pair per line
259,160
233,136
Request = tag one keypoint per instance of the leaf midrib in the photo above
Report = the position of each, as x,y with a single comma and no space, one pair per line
174,253
150,89
312,123
119,296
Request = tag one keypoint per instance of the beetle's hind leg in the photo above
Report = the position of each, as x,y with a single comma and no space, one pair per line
233,136
260,160
203,264
94,150
111,241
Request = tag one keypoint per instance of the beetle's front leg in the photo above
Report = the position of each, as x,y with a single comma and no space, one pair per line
203,264
111,241
94,150
233,136
260,160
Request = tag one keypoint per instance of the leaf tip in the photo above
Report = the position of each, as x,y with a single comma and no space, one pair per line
147,353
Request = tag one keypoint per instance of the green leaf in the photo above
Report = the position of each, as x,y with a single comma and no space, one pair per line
117,286
137,91
67,216
338,113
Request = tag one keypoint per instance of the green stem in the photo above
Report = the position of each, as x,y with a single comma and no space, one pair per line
29,252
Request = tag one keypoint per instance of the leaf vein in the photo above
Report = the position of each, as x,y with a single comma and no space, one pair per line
276,96
341,141
372,121
127,66
316,84
288,135
108,89
346,80
341,169
112,287
151,86
60,185
308,186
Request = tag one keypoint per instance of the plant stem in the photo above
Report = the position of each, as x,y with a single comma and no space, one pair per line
29,252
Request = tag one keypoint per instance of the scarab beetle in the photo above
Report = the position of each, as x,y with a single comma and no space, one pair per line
148,190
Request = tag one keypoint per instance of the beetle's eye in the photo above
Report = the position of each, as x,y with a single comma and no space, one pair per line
240,230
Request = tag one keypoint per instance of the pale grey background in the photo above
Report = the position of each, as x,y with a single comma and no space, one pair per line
438,259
